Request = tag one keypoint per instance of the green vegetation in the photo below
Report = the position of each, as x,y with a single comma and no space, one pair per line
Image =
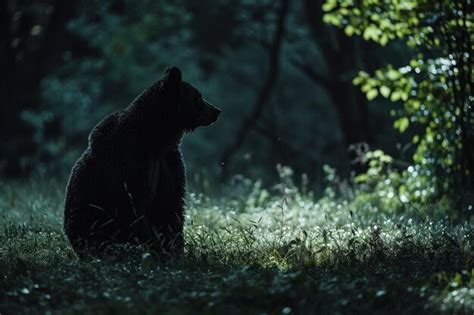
435,87
369,103
252,250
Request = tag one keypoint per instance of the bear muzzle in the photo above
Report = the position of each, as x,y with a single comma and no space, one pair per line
211,114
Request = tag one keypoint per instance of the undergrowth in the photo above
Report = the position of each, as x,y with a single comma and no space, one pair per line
277,250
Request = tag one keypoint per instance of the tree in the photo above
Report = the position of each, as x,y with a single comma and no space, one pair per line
250,122
33,37
435,87
343,56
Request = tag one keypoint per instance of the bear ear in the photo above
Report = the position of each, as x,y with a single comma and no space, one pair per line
173,76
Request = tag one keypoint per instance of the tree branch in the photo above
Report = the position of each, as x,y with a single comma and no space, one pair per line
308,70
265,92
314,18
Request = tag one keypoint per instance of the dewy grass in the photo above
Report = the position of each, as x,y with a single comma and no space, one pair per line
255,251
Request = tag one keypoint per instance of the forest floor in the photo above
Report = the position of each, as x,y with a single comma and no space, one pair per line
254,251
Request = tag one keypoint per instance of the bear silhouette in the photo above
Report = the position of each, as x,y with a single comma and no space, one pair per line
128,186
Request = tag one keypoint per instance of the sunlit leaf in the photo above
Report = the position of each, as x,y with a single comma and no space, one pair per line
385,91
372,94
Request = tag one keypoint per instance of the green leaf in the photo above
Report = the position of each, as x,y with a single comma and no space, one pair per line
349,30
357,80
385,91
396,95
331,19
393,74
402,124
404,96
371,32
329,5
372,94
366,87
362,178
383,40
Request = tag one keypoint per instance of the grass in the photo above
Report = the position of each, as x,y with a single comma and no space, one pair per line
251,251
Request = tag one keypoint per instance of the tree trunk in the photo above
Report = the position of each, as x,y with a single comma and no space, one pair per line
264,94
342,57
24,66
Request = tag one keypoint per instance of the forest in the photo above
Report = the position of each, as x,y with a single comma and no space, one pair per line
338,179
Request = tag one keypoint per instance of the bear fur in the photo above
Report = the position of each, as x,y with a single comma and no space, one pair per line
128,186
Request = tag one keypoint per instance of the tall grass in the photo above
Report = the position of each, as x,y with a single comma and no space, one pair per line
252,250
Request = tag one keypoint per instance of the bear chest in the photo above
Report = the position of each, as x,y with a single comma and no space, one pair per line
152,176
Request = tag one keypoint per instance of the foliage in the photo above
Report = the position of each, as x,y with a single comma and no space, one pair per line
435,87
257,250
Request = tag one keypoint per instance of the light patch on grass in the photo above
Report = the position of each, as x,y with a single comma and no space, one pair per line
251,250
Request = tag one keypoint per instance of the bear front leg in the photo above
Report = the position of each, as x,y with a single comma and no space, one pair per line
169,239
167,212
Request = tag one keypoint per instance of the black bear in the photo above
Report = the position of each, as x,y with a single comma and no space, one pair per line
128,186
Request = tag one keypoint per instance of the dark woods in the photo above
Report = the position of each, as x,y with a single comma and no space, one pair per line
45,49
284,72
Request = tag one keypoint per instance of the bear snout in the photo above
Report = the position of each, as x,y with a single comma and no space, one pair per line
212,113
216,112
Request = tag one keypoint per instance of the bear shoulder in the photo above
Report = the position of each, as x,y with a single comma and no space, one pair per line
104,132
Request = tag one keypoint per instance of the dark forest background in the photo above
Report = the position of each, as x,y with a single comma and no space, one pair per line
305,84
284,82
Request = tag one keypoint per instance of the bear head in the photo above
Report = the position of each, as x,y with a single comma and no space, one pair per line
193,110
